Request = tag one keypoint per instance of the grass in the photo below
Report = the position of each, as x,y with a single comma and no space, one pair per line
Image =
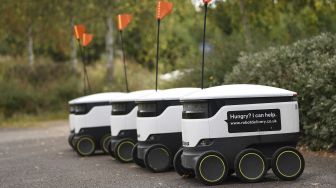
24,120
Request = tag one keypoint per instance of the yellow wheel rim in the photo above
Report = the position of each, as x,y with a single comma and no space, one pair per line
164,150
118,153
200,170
90,140
280,170
263,166
104,146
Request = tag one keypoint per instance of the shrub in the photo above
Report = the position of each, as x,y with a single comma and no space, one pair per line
39,89
46,87
13,98
308,67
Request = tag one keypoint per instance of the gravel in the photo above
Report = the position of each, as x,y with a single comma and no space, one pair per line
41,157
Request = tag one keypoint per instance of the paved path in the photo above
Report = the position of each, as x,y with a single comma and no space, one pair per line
41,157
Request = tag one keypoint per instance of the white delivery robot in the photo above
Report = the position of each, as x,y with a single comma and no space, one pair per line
72,108
91,121
242,129
159,128
123,125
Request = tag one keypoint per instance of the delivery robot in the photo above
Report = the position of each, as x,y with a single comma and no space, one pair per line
159,128
91,121
123,125
72,108
241,129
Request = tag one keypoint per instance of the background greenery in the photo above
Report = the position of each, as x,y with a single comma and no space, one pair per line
307,66
273,42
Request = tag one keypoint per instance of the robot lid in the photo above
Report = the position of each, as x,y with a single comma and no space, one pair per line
96,98
74,101
133,96
168,94
238,91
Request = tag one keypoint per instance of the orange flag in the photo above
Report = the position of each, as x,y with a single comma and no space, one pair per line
86,39
163,9
206,1
79,30
123,21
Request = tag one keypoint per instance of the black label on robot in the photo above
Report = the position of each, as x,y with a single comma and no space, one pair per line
254,120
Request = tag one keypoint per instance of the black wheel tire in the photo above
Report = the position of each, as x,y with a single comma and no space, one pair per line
85,145
136,160
250,165
123,150
104,143
158,158
74,142
111,152
178,165
288,163
211,168
70,140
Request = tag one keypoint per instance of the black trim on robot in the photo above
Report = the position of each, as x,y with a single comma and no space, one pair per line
84,108
96,132
131,134
202,109
71,137
122,108
231,146
154,108
173,141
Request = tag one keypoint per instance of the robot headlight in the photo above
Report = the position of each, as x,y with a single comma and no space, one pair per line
119,108
195,110
80,109
147,109
72,109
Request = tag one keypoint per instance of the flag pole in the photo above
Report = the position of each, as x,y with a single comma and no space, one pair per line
86,60
163,9
124,60
204,32
81,51
83,41
157,54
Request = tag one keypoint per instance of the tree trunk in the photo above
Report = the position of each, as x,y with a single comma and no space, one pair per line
73,43
246,25
109,48
30,46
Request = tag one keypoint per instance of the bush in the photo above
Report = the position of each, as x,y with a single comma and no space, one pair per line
12,99
44,88
308,67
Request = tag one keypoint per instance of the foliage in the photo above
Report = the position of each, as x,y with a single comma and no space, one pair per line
32,90
233,27
269,23
47,87
308,67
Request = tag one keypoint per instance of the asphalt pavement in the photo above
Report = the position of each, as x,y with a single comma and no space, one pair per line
41,157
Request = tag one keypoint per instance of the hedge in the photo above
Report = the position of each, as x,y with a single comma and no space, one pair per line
307,67
39,89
